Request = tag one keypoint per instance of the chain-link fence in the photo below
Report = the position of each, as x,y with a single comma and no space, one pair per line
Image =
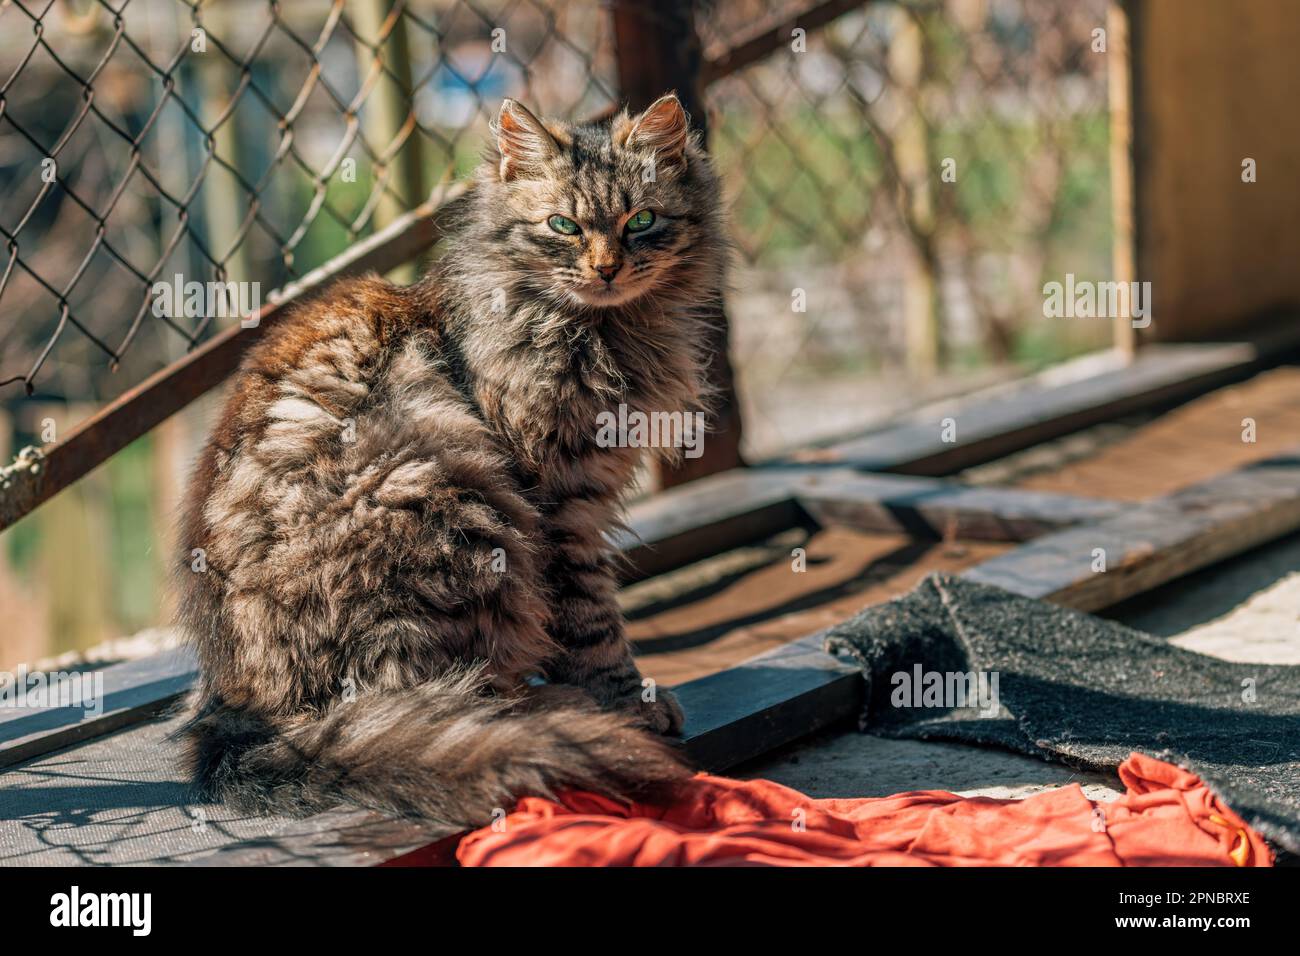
239,141
902,175
914,168
904,181
243,140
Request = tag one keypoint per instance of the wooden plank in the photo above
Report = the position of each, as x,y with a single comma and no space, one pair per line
766,702
706,517
739,507
932,508
1007,421
1154,543
132,692
1119,103
340,837
1193,443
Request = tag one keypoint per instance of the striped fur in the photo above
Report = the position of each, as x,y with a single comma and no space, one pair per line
402,510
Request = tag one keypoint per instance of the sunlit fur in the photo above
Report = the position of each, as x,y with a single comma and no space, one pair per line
598,184
402,510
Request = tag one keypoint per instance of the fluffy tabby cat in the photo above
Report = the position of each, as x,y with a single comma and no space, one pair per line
403,507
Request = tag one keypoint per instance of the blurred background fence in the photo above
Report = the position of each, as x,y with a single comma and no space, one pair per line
901,176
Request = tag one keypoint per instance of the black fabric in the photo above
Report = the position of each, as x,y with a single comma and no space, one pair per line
1085,691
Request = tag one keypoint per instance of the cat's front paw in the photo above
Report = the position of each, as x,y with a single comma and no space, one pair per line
662,714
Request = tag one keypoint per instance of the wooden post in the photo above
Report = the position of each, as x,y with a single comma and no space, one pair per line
224,201
1119,77
658,53
1213,105
921,332
388,113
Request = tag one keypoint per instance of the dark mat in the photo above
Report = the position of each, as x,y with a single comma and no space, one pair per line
1081,690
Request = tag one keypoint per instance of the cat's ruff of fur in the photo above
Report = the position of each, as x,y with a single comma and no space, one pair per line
402,509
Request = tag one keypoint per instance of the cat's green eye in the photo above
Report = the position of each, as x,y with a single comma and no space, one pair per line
563,225
641,221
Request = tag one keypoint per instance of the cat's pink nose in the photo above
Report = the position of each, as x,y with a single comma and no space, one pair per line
608,272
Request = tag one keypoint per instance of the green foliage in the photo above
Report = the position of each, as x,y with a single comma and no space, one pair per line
808,189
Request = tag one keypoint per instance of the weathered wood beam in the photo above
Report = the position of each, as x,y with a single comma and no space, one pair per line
1154,543
931,508
132,691
685,524
763,44
766,702
1010,420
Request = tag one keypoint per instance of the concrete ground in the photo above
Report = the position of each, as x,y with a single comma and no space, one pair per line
859,765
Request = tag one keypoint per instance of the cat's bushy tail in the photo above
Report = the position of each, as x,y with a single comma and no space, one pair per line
444,751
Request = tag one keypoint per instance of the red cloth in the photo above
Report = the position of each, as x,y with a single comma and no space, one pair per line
1167,817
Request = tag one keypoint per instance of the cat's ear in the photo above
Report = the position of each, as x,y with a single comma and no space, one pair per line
663,129
522,141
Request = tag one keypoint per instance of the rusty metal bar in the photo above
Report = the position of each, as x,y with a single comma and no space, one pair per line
748,52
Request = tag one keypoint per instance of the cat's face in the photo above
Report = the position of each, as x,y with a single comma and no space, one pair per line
598,216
